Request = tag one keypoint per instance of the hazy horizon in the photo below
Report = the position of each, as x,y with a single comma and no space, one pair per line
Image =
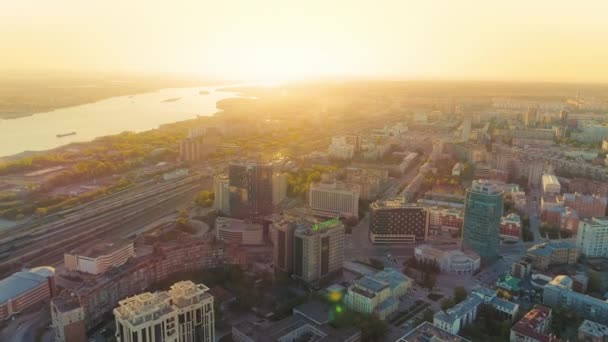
519,41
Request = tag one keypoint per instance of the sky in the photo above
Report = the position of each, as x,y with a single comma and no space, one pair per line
522,40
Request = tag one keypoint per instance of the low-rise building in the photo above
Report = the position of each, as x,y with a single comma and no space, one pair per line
427,332
100,257
551,185
465,312
592,237
534,326
510,227
239,231
184,313
590,331
377,293
587,206
559,293
25,290
309,322
552,253
450,260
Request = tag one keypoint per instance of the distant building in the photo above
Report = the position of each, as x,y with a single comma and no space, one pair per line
465,312
279,188
99,257
454,261
482,216
318,250
184,313
530,117
378,293
340,148
282,237
552,253
394,221
221,192
559,293
250,190
25,290
551,185
587,206
592,237
535,173
197,148
330,199
442,219
412,189
466,128
590,331
239,231
534,326
370,180
427,332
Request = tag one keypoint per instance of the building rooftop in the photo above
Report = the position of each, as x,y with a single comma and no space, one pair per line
531,324
372,284
336,186
594,329
427,332
550,179
547,248
315,311
393,203
277,331
23,281
101,248
561,281
485,187
459,310
236,225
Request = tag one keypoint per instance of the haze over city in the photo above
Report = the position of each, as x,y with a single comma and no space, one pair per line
320,171
278,40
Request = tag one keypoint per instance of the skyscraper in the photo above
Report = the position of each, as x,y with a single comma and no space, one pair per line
221,190
530,118
250,190
483,209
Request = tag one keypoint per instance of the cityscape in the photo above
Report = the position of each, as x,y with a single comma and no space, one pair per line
290,195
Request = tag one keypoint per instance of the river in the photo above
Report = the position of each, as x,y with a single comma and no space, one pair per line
134,113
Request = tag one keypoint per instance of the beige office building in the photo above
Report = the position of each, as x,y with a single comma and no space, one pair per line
318,249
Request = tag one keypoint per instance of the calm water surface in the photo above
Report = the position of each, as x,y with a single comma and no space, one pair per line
134,113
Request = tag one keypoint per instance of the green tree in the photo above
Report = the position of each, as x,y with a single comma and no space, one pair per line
459,294
446,303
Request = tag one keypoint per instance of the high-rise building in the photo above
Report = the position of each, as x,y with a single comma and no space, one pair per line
483,209
250,190
318,249
563,118
535,174
281,235
395,221
279,187
592,237
331,198
530,117
221,192
182,314
466,128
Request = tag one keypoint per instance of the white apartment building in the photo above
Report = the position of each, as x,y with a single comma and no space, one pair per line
551,185
279,188
221,191
182,314
592,237
318,249
332,199
99,258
